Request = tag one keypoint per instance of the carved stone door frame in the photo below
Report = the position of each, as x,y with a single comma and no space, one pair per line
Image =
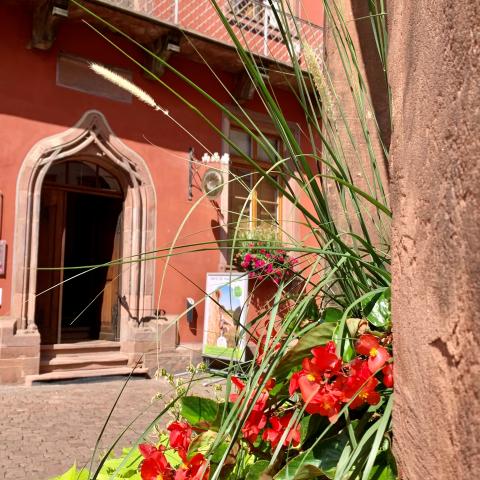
91,137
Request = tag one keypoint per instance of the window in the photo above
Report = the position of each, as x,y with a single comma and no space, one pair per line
251,204
82,176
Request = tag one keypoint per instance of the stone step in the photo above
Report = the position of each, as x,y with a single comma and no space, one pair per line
82,361
80,347
77,374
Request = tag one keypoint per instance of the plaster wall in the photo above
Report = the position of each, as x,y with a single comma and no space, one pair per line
434,72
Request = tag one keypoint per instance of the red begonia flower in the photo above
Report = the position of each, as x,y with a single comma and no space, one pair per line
367,394
377,355
325,359
146,449
310,369
279,424
321,399
360,383
254,423
155,466
293,387
180,435
387,371
196,469
238,383
257,419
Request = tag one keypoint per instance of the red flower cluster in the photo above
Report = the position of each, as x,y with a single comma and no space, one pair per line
278,427
262,264
326,383
258,419
156,467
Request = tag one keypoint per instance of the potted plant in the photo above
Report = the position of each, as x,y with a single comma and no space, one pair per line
262,254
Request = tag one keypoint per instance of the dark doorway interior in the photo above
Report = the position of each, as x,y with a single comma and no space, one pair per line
80,226
90,231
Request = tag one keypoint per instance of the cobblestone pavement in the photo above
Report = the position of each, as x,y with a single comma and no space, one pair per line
45,428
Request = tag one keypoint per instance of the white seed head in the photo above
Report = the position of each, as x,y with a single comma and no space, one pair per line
127,85
316,67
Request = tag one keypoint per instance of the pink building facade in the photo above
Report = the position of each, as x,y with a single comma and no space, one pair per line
89,175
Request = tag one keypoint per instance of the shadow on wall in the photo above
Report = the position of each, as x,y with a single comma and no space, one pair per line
373,71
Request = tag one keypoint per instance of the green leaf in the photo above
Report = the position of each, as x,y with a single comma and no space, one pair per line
256,470
173,458
120,468
199,411
380,315
384,468
319,335
331,314
322,460
309,425
203,442
349,352
74,474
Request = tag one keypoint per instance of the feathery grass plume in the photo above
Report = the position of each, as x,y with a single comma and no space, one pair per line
316,71
127,85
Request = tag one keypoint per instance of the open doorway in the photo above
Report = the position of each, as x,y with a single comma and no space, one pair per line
80,226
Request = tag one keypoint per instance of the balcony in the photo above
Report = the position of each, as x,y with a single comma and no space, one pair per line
252,21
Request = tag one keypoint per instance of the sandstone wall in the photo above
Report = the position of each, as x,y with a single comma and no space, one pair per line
347,117
434,74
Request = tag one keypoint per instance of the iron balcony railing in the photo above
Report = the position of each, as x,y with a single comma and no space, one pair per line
252,21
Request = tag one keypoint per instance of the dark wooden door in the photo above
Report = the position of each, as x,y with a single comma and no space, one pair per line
50,255
110,311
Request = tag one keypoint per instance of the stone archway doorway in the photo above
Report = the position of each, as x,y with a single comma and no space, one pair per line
129,204
80,225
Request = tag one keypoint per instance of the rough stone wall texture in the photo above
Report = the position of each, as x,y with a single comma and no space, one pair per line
434,74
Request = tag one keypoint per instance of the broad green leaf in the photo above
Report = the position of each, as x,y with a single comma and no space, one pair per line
199,411
74,474
384,468
322,460
128,470
331,314
309,425
256,470
379,313
203,442
319,335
